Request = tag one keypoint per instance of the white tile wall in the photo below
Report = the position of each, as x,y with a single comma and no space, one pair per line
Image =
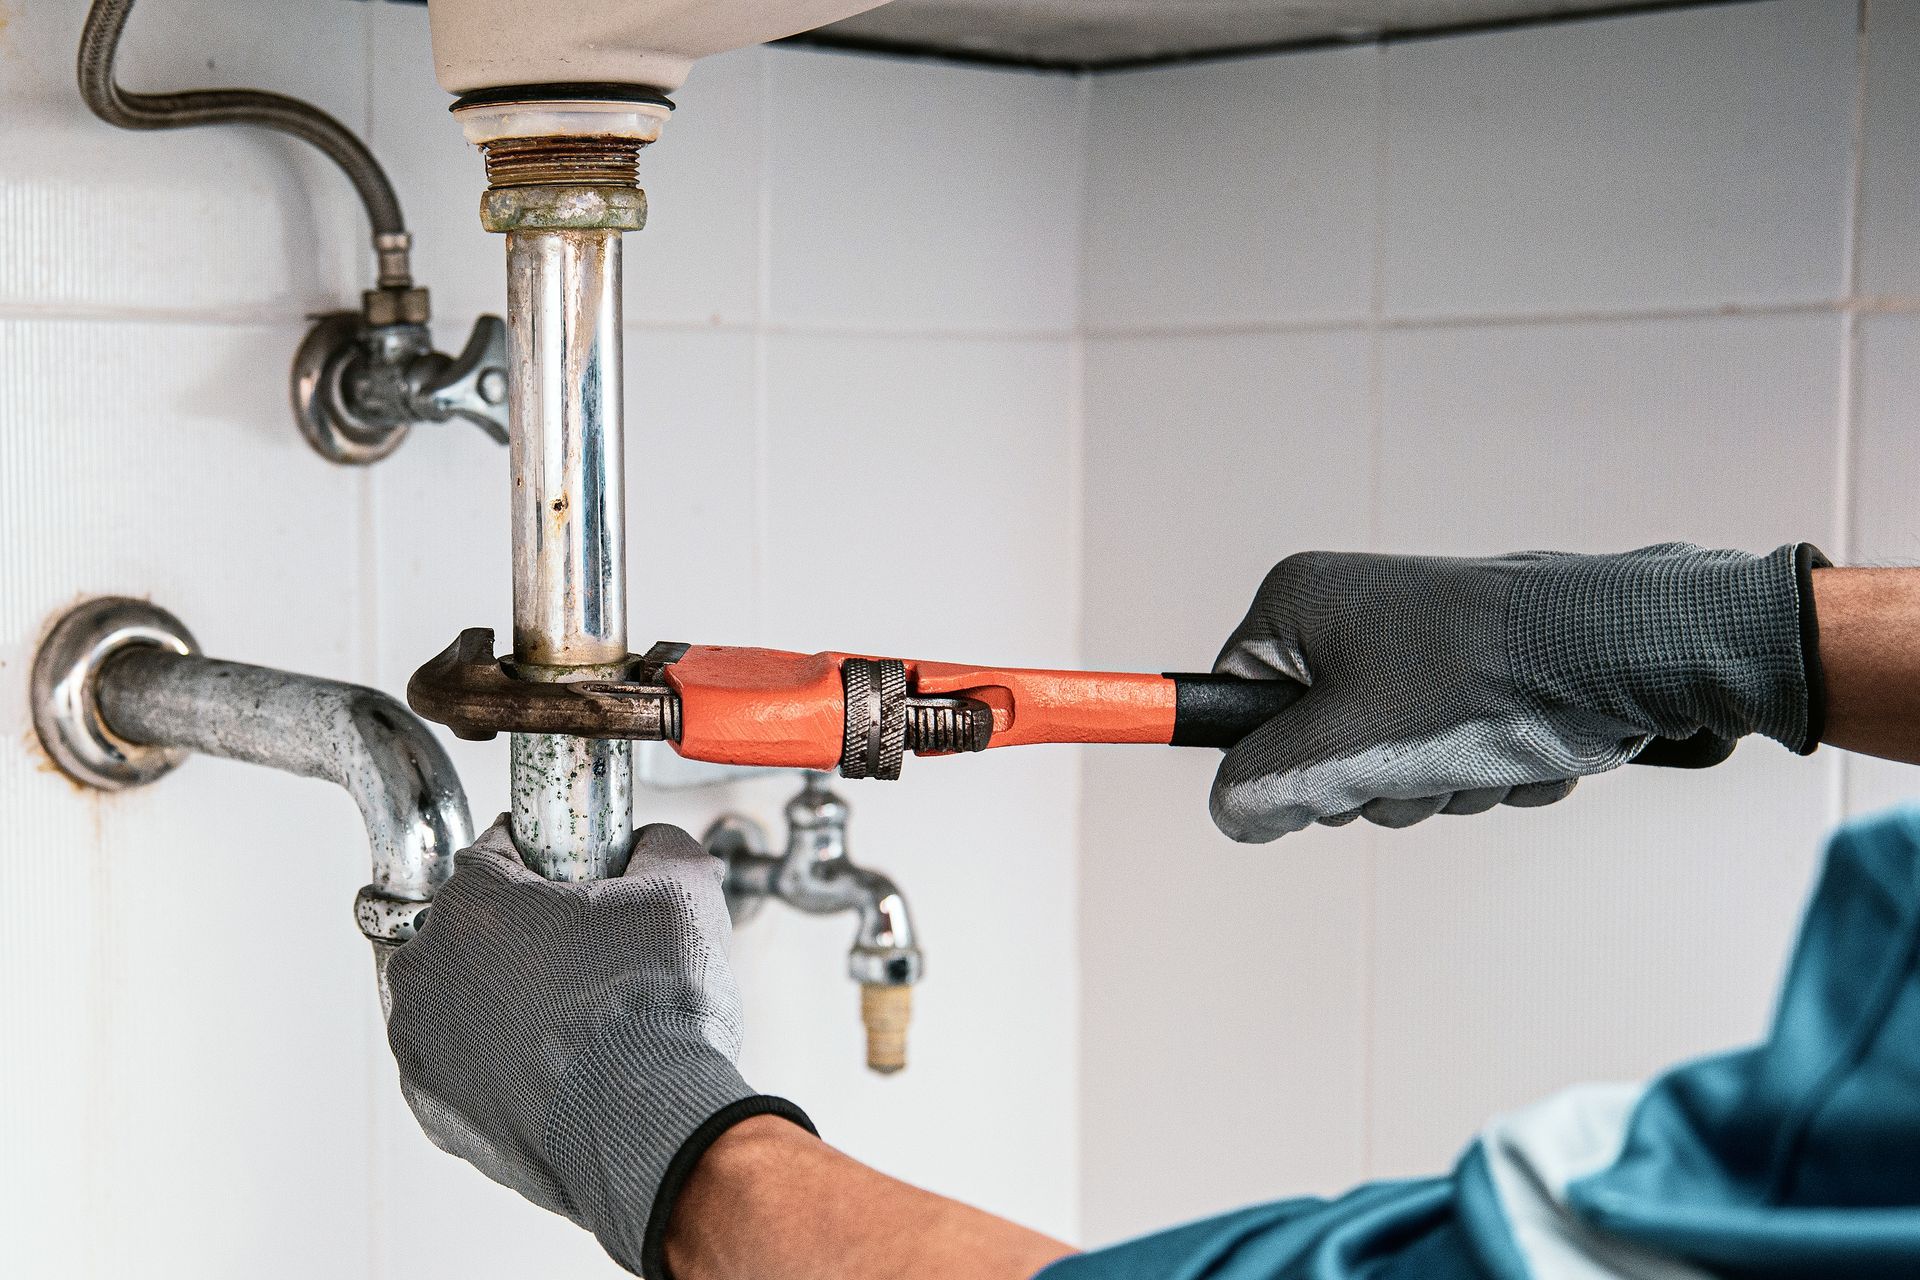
100,220
1886,528
855,397
202,1094
1689,159
1886,523
1236,191
921,497
1645,919
700,260
1539,193
694,477
196,222
1609,435
217,1101
1225,1004
908,194
1203,454
1889,215
1217,978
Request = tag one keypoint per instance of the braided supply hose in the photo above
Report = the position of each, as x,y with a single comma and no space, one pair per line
100,42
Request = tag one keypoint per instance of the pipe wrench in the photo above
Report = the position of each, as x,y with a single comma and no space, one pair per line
859,714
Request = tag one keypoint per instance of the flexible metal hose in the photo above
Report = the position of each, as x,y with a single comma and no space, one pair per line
100,42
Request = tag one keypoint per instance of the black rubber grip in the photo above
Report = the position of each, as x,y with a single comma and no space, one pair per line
1218,711
1702,751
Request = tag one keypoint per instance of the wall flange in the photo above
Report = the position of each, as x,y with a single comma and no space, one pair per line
66,676
114,672
734,838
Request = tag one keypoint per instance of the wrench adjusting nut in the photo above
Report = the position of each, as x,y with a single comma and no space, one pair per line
875,741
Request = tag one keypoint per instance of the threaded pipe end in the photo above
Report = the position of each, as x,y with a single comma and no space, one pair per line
563,161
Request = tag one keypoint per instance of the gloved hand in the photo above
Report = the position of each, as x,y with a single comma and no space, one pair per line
1452,685
576,1042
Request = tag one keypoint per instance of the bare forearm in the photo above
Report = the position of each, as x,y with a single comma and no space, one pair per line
1870,650
771,1202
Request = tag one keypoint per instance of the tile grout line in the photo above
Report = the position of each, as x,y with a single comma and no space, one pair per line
1356,322
912,334
103,971
368,587
1376,457
378,1220
283,318
1846,424
762,362
1851,230
1077,478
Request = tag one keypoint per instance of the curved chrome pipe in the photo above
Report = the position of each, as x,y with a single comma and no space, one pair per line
363,740
121,694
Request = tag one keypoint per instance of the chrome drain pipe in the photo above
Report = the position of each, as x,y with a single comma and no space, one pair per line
121,695
563,187
572,797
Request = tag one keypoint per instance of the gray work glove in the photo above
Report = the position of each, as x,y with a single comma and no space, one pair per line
576,1042
1451,685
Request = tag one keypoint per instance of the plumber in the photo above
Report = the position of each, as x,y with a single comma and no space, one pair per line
577,1042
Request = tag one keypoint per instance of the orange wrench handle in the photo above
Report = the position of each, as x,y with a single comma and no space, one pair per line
1033,706
760,707
772,708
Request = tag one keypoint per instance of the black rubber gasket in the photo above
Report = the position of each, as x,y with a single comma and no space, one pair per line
580,91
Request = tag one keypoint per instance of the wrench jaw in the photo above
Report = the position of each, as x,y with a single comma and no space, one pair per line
478,695
753,707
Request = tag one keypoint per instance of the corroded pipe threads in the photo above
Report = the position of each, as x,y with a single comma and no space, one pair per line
563,183
563,161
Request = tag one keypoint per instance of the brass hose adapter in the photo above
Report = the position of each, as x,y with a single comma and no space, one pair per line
886,1011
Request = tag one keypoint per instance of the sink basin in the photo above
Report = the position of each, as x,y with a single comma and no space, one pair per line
490,44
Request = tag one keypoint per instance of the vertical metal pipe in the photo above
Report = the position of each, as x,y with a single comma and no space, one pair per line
572,797
569,548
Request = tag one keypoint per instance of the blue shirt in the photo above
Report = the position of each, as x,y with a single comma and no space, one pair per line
1797,1158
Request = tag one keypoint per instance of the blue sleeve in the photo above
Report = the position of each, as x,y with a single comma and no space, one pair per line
1798,1157
1384,1231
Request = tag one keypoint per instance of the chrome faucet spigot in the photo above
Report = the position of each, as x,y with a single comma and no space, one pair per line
816,875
